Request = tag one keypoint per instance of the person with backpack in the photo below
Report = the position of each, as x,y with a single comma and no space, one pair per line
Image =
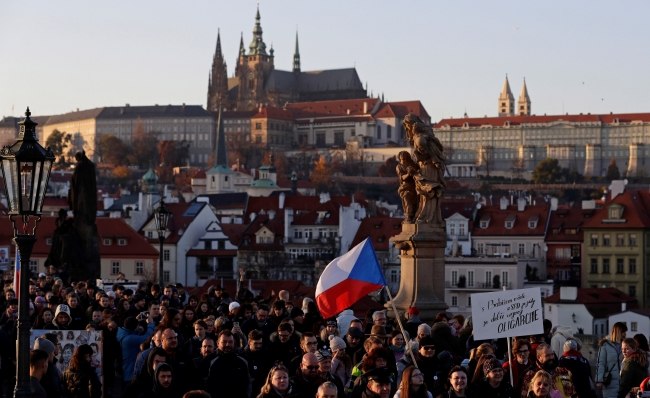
609,361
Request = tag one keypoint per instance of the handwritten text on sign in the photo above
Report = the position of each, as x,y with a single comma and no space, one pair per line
507,313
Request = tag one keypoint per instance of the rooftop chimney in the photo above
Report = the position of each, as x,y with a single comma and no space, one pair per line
623,306
503,203
521,204
553,204
568,293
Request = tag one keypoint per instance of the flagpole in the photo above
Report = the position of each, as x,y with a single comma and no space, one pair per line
399,322
509,354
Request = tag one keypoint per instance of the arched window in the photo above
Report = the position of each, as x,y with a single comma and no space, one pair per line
379,132
389,134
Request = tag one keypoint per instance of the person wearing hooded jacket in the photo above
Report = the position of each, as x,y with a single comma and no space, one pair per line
130,339
444,340
561,334
143,381
162,383
344,319
61,320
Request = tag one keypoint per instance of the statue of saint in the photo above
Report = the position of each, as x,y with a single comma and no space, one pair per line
429,180
82,196
406,169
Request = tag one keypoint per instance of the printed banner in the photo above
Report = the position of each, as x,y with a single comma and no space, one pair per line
69,340
507,313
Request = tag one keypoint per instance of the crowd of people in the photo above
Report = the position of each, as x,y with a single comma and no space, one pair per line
158,341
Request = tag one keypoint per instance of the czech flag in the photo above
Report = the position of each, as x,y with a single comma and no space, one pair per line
349,278
17,274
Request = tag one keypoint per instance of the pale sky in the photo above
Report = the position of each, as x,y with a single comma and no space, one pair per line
577,56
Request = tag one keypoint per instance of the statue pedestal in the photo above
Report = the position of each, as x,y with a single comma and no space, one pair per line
422,283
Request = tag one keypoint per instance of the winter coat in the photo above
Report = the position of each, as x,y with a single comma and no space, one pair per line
632,375
398,394
343,321
228,376
444,339
580,372
561,378
504,390
517,370
82,383
157,391
451,394
130,341
609,360
52,381
258,367
562,333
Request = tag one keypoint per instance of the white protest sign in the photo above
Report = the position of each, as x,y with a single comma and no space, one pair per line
507,313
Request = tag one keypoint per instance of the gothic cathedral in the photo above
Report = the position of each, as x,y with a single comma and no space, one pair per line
257,82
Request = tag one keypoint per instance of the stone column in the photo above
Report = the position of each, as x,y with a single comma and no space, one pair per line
422,283
635,162
593,160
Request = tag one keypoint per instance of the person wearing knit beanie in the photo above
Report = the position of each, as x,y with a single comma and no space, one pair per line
44,345
423,330
336,343
490,364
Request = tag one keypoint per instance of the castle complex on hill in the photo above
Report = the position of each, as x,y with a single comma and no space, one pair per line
257,82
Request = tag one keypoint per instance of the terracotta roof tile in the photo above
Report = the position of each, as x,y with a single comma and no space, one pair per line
379,230
636,212
498,218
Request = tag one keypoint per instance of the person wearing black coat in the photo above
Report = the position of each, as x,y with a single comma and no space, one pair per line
143,381
494,385
80,379
164,385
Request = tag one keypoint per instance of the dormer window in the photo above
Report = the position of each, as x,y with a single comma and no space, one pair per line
484,224
106,242
555,231
121,242
509,224
532,224
614,213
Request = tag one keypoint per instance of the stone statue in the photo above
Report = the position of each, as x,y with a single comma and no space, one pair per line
406,169
75,244
82,196
429,180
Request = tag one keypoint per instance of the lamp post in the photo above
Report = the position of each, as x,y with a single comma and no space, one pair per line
26,169
161,217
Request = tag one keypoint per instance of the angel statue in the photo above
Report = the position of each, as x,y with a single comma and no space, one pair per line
429,178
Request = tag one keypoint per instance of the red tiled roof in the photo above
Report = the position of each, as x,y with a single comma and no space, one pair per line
518,120
311,217
635,213
465,208
600,302
199,174
107,228
54,201
379,230
563,219
211,253
176,222
276,225
331,108
497,224
270,112
340,119
234,232
401,109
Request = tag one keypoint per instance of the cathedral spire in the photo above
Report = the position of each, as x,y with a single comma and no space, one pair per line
220,158
242,51
218,52
257,46
296,56
506,100
523,104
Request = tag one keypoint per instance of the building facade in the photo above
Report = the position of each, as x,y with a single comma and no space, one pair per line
518,140
256,82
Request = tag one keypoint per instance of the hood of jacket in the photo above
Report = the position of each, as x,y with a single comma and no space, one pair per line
59,309
572,353
123,332
440,329
565,331
163,366
346,312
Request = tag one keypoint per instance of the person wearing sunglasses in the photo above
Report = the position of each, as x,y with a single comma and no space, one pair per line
494,385
427,360
306,381
412,385
520,361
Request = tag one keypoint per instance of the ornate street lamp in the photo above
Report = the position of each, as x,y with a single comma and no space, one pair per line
161,216
26,169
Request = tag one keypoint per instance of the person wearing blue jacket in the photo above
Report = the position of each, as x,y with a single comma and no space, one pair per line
130,339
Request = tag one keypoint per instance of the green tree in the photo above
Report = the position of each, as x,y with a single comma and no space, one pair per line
612,171
548,171
113,150
59,143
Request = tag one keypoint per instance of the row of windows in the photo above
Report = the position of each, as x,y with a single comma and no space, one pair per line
109,241
620,266
454,301
308,233
461,229
116,267
489,278
607,238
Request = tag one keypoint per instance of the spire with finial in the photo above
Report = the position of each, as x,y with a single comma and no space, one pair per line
242,50
218,52
271,51
257,46
506,100
296,56
523,105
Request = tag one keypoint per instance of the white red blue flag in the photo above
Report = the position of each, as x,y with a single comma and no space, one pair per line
349,278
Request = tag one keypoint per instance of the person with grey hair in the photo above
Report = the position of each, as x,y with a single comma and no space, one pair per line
379,319
327,390
579,367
